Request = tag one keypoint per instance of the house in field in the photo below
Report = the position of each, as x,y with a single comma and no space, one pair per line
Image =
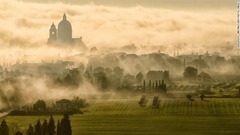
64,105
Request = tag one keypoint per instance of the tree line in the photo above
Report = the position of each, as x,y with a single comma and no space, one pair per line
46,128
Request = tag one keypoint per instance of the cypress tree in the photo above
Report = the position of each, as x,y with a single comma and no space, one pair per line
156,85
19,133
51,127
30,130
65,127
144,85
150,84
4,129
38,128
58,128
44,128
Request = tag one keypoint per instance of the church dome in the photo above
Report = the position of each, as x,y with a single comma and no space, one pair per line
65,30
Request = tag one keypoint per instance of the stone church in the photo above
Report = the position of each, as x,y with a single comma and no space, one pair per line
63,34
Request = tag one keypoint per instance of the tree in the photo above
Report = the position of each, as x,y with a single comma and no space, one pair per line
142,101
30,130
189,97
128,80
44,128
88,76
154,75
68,79
51,127
156,102
65,126
98,69
13,128
139,77
77,102
76,77
166,75
118,71
38,128
40,105
204,76
149,84
4,129
163,86
144,85
19,133
58,128
101,80
202,97
190,73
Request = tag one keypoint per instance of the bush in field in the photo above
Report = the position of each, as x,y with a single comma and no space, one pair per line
156,102
142,101
189,97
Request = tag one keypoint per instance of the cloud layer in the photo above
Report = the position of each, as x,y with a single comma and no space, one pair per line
25,26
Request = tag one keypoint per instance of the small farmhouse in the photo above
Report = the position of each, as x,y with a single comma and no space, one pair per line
64,105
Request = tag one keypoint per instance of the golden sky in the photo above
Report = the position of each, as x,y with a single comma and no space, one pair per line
184,26
153,3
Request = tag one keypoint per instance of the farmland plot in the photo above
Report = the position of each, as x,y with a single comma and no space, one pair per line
174,116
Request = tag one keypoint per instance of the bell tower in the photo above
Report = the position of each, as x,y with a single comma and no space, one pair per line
52,33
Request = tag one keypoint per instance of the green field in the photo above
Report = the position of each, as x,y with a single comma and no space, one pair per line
174,117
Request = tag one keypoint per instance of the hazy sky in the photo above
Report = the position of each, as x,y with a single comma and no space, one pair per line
26,24
153,3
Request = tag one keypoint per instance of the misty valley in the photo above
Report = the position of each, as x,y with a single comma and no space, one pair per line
97,67
120,83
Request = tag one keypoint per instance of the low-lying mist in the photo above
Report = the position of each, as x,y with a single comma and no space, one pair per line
25,27
112,30
26,90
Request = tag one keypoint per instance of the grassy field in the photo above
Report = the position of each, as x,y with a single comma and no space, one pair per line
174,117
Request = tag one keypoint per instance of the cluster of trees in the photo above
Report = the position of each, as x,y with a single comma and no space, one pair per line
115,78
72,77
191,73
158,75
108,78
105,78
156,86
40,105
46,128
